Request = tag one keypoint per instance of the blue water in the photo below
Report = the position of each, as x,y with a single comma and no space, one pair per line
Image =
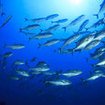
33,91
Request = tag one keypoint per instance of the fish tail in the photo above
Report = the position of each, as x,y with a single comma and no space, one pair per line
96,15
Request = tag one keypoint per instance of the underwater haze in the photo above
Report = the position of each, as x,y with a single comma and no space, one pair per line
52,52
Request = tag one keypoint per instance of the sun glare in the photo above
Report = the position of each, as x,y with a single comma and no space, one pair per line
76,2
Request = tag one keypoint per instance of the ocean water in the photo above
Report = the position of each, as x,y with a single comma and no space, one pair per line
34,90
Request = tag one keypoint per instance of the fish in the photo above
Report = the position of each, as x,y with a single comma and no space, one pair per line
83,25
100,35
30,27
101,63
14,78
102,9
72,73
96,54
6,21
36,19
95,76
70,40
96,24
7,54
40,69
42,63
78,19
92,44
18,62
101,49
65,51
1,9
59,82
15,46
60,21
52,16
52,28
75,21
23,73
42,36
41,66
83,42
50,42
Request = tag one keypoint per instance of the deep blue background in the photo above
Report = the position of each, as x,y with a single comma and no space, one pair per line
31,91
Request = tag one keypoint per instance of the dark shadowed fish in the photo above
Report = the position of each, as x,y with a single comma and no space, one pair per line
7,54
52,28
52,16
51,42
6,21
74,22
78,19
102,9
83,25
60,21
96,24
42,36
35,20
1,9
30,27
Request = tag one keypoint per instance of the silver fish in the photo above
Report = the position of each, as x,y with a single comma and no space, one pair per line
59,82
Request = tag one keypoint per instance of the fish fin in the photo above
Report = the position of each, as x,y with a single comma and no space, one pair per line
26,19
96,15
64,28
